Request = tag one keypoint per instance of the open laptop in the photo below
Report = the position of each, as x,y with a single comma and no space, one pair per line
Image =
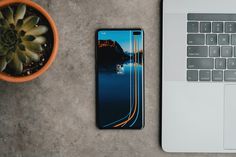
199,76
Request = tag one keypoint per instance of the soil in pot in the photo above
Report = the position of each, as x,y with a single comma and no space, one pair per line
26,40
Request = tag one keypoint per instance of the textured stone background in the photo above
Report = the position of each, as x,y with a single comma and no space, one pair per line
54,115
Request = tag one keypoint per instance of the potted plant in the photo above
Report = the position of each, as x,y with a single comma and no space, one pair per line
28,40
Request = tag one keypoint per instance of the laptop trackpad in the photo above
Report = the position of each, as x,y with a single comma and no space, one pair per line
230,117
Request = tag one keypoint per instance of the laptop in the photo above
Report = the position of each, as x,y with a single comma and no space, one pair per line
199,76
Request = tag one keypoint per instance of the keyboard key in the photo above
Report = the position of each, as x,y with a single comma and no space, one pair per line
234,51
197,51
214,51
205,27
230,75
205,75
211,39
230,27
200,63
217,75
217,27
231,63
226,51
220,63
192,75
233,39
192,27
223,39
211,17
196,39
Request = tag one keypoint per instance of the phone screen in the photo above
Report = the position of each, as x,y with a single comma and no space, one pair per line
120,79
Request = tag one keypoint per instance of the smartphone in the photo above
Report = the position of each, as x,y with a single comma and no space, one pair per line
120,78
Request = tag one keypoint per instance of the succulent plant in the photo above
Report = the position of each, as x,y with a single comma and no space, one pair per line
21,38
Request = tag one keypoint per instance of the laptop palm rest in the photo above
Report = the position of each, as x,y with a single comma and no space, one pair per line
230,117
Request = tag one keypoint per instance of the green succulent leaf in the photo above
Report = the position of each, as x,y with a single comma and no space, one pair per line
23,57
21,47
3,64
19,24
27,19
3,50
3,53
37,31
21,33
40,40
4,23
9,15
20,12
35,47
9,57
32,55
29,38
30,23
16,64
1,16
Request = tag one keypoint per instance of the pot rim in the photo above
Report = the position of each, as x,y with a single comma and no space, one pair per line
20,79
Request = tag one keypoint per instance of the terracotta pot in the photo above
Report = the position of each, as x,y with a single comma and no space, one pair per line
19,79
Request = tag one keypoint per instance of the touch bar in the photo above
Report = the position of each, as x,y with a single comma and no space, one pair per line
211,17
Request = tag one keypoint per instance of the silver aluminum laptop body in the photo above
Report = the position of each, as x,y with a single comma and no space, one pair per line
199,76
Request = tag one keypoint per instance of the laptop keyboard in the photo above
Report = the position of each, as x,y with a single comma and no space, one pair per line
211,47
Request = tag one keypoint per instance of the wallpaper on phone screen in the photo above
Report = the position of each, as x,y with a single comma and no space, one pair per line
120,79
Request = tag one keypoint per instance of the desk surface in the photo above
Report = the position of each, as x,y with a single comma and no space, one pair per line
54,115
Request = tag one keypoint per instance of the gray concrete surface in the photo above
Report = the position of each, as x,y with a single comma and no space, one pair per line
54,115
